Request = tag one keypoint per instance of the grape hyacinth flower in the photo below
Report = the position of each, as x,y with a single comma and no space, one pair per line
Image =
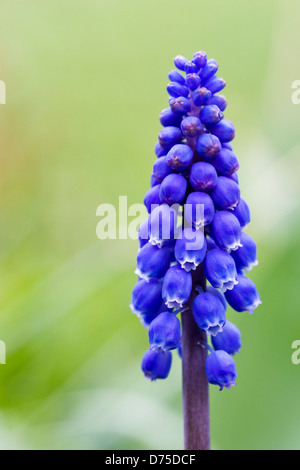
190,249
156,364
209,313
228,340
193,252
164,332
177,287
220,270
220,369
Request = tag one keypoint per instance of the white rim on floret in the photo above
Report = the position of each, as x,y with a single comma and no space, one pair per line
142,275
214,328
157,241
174,303
234,246
251,265
228,284
253,306
135,311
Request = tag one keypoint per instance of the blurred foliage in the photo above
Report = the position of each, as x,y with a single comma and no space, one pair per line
85,84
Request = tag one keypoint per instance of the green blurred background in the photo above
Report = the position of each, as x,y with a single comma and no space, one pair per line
85,84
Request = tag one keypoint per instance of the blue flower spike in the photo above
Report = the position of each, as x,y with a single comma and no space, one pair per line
194,254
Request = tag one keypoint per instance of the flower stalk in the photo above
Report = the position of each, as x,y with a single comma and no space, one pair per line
195,393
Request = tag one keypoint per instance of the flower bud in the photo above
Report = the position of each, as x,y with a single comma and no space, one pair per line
220,369
146,297
169,136
180,157
168,118
191,126
161,169
164,332
245,256
180,105
228,340
156,364
226,162
218,100
200,59
190,67
143,232
162,223
234,178
201,96
224,130
244,296
209,70
203,176
226,193
175,76
159,150
152,261
190,249
193,81
215,85
177,287
172,189
199,209
180,62
226,231
242,213
210,115
220,269
151,198
175,89
208,145
209,313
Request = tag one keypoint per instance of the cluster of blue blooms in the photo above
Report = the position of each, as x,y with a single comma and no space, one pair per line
195,181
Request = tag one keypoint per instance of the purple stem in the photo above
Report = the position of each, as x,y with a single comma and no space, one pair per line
194,381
